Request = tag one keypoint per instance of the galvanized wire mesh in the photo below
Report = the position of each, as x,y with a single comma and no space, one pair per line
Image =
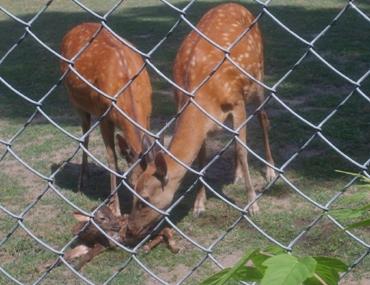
272,95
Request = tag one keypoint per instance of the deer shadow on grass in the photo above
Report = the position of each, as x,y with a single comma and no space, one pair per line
97,184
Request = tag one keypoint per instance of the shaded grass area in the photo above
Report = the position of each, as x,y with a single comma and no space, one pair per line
311,90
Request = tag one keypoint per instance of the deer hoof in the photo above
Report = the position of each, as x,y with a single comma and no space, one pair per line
270,174
238,179
198,210
253,209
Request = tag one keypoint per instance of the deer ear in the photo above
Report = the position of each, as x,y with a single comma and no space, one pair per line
145,145
161,168
80,217
125,149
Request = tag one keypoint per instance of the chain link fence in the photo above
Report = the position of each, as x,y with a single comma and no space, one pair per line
19,219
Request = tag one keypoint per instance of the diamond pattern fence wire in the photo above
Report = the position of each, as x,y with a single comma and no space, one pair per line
36,224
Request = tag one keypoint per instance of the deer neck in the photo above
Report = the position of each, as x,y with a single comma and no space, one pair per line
190,133
131,133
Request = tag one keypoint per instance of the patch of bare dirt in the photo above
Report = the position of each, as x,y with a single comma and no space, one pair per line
21,174
230,259
172,275
353,281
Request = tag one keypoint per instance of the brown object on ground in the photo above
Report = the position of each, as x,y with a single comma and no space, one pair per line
166,235
91,241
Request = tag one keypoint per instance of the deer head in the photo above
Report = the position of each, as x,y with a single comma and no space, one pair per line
131,155
104,218
153,187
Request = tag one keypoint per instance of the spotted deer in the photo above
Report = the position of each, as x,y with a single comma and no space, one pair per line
225,94
109,65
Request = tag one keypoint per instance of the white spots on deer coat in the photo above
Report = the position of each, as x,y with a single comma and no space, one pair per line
193,62
246,88
259,46
197,59
192,77
233,13
241,57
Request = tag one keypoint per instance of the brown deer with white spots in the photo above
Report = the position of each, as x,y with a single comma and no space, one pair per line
109,65
225,94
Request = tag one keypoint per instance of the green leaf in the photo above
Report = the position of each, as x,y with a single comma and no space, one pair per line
309,262
258,258
247,273
274,250
285,269
364,223
327,271
363,177
215,279
331,262
324,276
228,273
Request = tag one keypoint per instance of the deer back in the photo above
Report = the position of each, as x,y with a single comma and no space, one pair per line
110,66
197,57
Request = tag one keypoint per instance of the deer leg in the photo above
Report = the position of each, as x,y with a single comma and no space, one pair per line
153,243
238,176
76,252
92,252
265,125
201,198
68,256
239,116
107,131
86,124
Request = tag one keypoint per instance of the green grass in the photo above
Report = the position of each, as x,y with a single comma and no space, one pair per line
312,90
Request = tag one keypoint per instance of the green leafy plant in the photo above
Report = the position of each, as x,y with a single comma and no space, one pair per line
359,212
274,266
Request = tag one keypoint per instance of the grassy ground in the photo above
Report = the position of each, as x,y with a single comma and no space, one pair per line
312,90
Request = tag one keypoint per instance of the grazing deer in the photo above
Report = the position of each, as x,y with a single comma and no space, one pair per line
108,65
225,94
